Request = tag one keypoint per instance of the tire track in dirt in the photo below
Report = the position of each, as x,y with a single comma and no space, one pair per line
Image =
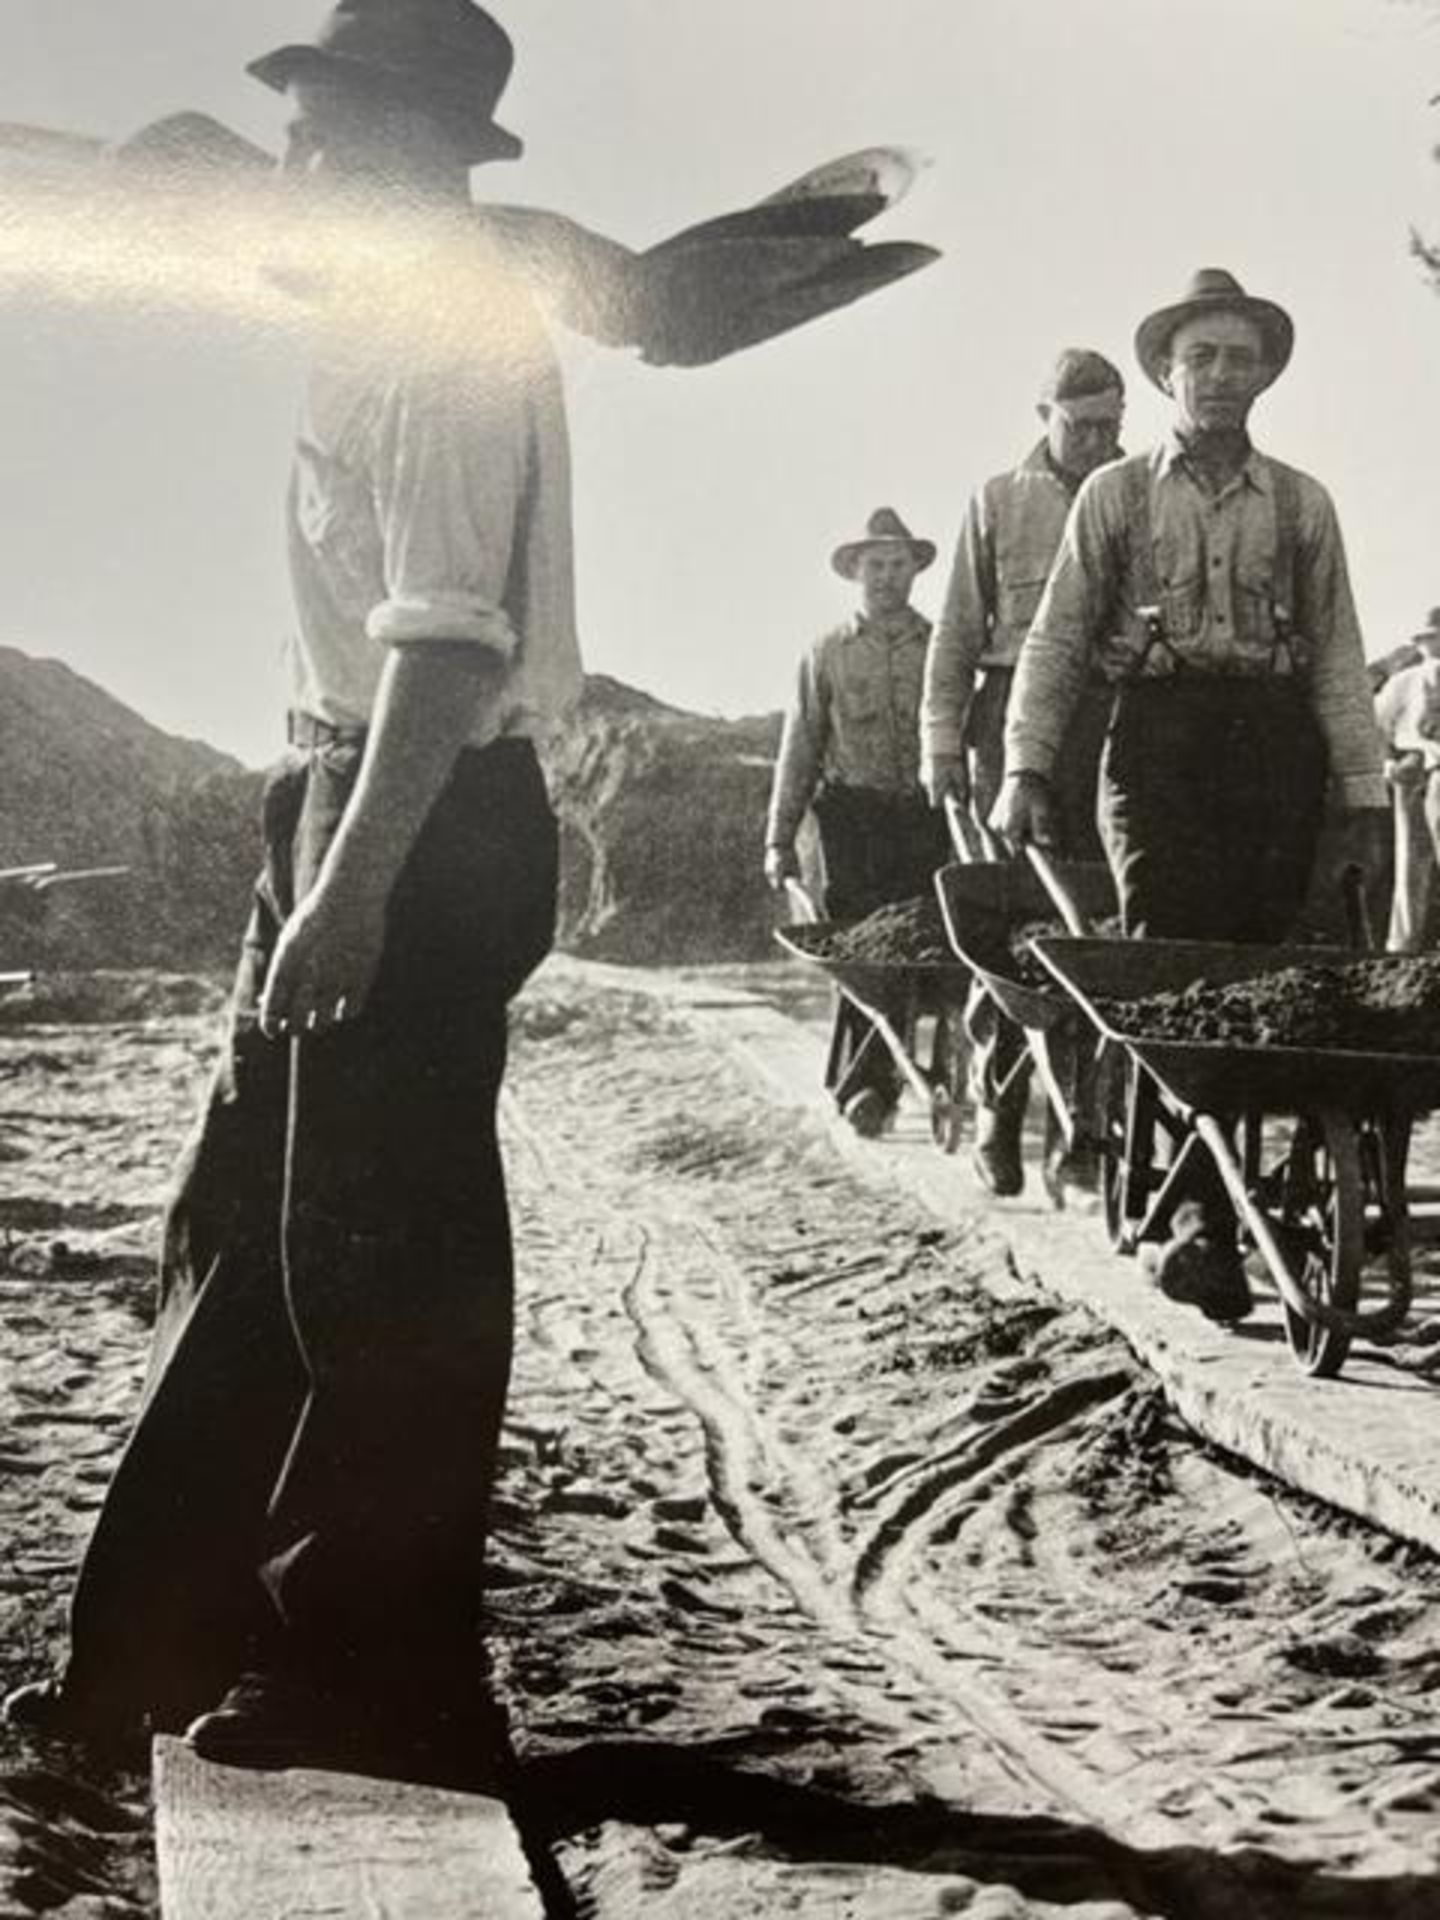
976,1503
692,1305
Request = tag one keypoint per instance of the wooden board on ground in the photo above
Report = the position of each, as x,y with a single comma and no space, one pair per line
236,1844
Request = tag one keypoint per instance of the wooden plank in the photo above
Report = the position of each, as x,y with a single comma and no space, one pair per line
237,1844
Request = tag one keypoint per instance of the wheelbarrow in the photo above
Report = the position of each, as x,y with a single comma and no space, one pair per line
1309,1143
985,897
891,999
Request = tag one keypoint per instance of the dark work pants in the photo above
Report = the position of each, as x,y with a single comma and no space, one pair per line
1077,766
1212,794
997,1046
310,1475
879,848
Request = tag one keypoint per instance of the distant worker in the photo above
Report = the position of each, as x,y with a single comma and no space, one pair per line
850,751
1408,654
1407,708
1207,582
1008,540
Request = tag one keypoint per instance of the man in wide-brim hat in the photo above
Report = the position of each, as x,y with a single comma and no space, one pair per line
293,1539
1206,582
447,60
850,751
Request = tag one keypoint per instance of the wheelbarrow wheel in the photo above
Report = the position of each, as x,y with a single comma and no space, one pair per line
1322,1233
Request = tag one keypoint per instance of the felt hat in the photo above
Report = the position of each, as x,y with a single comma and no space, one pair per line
884,528
449,55
1429,634
1213,290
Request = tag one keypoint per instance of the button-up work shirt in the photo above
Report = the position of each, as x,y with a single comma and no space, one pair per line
1214,569
854,719
428,502
1008,540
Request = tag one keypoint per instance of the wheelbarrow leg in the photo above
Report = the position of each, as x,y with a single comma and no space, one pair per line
1129,1137
949,1064
1316,1251
859,1075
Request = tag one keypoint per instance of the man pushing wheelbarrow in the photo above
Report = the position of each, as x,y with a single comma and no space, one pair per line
851,751
1207,583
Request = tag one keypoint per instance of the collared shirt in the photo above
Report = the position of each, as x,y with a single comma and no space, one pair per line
854,717
431,501
1008,539
1407,709
1223,610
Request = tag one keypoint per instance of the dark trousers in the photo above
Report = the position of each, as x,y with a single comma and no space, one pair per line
998,1055
310,1475
1077,768
1211,800
878,848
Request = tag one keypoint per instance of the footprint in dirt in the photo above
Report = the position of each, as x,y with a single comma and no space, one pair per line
1342,1657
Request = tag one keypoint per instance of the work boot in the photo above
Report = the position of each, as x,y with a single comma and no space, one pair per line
1200,1266
49,1710
996,1156
269,1720
868,1112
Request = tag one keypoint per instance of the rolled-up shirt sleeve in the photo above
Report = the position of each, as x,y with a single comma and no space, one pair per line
1340,685
1054,660
958,640
450,483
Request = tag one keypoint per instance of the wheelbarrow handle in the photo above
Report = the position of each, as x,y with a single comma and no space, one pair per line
972,840
802,903
77,876
1065,903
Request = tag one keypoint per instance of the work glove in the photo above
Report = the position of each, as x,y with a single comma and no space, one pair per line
1025,810
780,866
944,776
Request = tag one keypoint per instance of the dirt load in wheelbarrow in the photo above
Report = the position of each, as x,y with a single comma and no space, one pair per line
895,968
1293,1076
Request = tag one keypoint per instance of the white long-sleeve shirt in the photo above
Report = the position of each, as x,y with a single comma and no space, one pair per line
431,501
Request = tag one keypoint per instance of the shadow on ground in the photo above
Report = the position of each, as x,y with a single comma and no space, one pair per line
1062,1862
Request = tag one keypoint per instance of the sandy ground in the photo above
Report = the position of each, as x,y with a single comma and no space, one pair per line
836,1571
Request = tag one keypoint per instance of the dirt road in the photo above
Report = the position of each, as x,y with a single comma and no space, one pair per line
836,1571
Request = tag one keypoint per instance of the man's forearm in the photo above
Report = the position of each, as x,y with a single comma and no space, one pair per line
957,644
794,781
431,696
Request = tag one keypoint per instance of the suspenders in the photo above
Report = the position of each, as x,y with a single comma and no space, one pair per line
1145,593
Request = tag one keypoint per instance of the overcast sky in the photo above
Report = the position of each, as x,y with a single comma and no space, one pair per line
1087,156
